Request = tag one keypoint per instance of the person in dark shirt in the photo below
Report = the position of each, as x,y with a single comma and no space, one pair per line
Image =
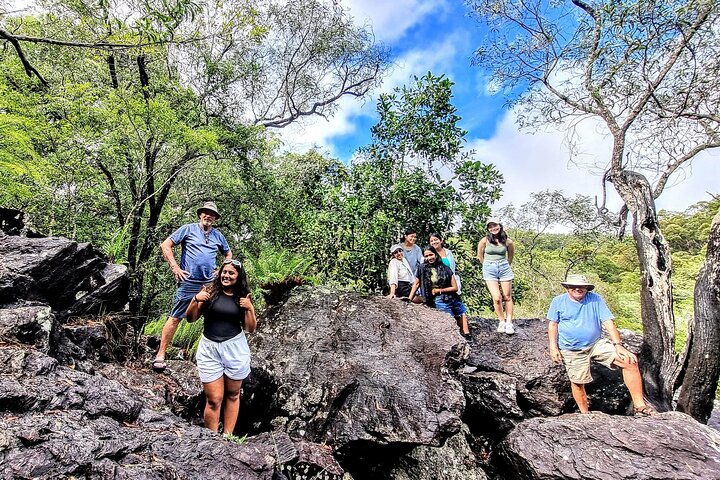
223,354
438,282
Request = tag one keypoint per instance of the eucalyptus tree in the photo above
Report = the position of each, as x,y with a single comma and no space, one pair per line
648,71
142,93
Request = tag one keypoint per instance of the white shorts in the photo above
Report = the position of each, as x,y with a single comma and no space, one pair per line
230,358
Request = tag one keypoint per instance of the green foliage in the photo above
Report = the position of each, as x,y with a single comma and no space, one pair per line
186,336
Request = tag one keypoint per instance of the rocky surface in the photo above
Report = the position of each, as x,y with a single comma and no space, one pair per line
73,278
599,446
361,373
343,386
509,378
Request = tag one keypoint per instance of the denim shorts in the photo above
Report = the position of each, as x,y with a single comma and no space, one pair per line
450,304
183,295
499,270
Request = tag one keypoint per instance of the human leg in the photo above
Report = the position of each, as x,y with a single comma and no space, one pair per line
168,331
183,295
494,288
580,396
633,382
231,404
506,287
213,401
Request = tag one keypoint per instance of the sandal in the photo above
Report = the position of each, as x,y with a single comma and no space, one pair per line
645,411
159,365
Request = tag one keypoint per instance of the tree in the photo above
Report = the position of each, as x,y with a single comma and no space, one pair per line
702,375
648,70
132,106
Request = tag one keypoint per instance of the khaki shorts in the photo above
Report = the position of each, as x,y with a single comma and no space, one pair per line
577,362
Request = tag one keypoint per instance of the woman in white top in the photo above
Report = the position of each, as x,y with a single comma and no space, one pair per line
400,275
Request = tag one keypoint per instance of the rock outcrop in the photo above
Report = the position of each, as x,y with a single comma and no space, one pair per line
364,375
343,386
598,446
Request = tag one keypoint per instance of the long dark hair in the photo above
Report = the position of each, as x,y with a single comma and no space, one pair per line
501,237
240,289
430,248
439,237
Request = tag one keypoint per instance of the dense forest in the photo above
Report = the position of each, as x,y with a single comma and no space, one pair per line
115,127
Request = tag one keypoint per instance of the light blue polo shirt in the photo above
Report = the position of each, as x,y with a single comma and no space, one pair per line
579,323
199,255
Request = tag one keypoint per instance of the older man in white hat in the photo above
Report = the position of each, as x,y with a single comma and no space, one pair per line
576,320
200,243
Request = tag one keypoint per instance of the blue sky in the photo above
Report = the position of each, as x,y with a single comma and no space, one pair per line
439,36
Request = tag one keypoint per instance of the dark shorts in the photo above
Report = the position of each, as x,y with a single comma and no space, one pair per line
450,304
403,289
183,296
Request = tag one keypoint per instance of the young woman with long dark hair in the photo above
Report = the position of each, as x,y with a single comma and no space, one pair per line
223,354
440,289
496,251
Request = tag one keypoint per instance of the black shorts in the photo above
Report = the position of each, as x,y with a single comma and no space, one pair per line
403,289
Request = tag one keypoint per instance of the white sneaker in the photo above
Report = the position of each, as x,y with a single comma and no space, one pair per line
501,327
509,329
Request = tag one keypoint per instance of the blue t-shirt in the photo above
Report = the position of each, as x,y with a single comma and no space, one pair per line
579,323
199,253
414,257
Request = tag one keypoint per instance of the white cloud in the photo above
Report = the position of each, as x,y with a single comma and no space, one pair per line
319,132
391,19
541,161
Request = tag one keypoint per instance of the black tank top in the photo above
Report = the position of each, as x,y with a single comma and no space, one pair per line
224,319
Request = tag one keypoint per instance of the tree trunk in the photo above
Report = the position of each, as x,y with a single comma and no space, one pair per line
659,362
703,365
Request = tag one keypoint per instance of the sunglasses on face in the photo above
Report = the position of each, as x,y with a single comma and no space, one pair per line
233,262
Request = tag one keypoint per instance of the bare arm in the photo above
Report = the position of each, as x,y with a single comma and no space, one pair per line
553,341
481,249
196,306
250,319
451,288
623,353
510,250
416,285
228,255
167,250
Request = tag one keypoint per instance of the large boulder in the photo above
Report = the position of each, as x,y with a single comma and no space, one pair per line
602,447
73,278
359,372
509,378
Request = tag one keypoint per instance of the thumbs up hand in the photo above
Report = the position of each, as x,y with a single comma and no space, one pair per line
246,302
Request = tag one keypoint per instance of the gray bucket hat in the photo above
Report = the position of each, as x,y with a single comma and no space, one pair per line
492,220
576,280
210,207
395,248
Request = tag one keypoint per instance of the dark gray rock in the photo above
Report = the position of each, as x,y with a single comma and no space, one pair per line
603,447
70,277
360,372
509,378
454,460
179,389
31,325
28,388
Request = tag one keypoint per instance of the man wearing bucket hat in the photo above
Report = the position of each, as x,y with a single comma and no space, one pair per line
200,244
576,320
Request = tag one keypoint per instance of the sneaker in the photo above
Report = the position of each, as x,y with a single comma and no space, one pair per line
509,329
501,327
